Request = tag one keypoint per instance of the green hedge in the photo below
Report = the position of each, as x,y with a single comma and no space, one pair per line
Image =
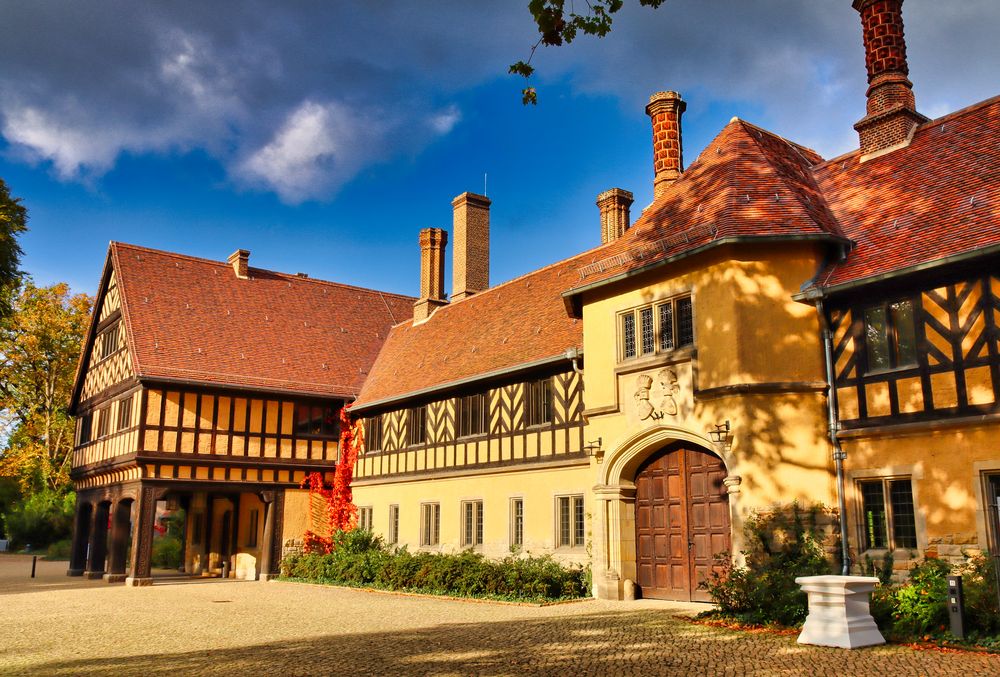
361,559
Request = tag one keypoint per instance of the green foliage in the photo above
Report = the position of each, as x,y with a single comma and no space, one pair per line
557,26
167,552
13,221
40,343
362,559
41,519
781,546
60,550
882,571
979,584
921,604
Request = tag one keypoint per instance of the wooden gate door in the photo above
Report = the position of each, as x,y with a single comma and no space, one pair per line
681,522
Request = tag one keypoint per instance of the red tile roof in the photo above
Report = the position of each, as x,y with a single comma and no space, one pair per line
193,319
748,183
511,325
936,198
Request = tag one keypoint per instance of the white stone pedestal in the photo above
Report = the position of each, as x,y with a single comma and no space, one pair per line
838,611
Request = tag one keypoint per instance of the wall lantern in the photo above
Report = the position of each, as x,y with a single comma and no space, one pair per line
721,432
593,448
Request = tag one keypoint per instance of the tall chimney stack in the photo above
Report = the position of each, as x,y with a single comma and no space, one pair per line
471,230
614,205
240,261
432,244
665,110
891,111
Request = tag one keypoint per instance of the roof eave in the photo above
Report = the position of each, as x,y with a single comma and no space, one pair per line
733,239
147,380
458,383
808,296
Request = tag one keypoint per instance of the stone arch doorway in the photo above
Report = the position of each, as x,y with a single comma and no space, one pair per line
681,521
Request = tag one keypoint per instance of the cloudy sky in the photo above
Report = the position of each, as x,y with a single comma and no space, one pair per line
323,135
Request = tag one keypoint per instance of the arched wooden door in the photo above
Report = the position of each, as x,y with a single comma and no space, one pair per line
681,522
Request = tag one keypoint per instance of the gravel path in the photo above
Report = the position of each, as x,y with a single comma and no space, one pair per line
54,625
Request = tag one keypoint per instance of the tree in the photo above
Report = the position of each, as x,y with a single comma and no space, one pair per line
13,220
40,342
557,27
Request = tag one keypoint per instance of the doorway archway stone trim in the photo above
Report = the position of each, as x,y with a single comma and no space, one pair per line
614,533
625,458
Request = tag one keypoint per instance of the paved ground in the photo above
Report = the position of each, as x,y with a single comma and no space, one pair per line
55,625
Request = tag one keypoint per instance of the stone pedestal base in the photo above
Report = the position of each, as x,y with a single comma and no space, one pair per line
138,582
74,572
114,578
838,612
93,575
268,577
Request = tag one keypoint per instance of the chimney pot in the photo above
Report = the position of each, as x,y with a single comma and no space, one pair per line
665,110
471,232
240,261
614,205
432,245
891,109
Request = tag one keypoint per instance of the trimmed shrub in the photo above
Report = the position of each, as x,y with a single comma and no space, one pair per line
362,559
60,550
166,552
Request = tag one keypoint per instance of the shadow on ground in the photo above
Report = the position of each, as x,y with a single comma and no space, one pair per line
630,642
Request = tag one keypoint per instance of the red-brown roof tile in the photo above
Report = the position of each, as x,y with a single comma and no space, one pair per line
748,183
505,327
193,319
936,198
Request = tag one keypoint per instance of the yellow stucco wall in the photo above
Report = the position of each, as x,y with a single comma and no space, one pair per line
539,488
946,467
749,336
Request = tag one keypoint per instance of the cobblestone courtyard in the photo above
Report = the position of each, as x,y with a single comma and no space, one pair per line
54,625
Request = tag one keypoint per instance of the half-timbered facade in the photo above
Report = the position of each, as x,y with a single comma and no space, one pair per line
214,388
774,327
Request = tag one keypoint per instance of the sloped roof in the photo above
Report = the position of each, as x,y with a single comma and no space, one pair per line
747,184
192,319
509,326
939,197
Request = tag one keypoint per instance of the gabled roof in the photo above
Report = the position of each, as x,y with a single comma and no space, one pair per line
936,199
509,327
747,184
192,319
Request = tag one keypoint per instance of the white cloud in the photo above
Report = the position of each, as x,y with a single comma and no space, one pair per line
70,148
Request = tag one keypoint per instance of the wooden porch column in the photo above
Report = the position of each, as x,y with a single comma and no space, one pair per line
120,522
81,538
142,539
98,551
267,547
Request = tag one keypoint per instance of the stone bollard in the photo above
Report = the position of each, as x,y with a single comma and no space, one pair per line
628,590
839,612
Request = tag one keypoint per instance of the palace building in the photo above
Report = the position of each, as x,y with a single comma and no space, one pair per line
774,327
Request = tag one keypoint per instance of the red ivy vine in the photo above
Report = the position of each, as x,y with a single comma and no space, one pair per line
341,513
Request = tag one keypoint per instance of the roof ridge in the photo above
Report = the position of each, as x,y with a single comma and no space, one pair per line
797,147
199,259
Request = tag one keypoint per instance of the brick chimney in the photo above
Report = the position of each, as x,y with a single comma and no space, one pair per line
614,205
240,261
891,112
665,110
432,244
471,230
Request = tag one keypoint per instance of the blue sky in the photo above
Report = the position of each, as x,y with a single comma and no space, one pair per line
323,136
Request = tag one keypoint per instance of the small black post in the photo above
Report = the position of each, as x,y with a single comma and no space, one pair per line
956,606
34,561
